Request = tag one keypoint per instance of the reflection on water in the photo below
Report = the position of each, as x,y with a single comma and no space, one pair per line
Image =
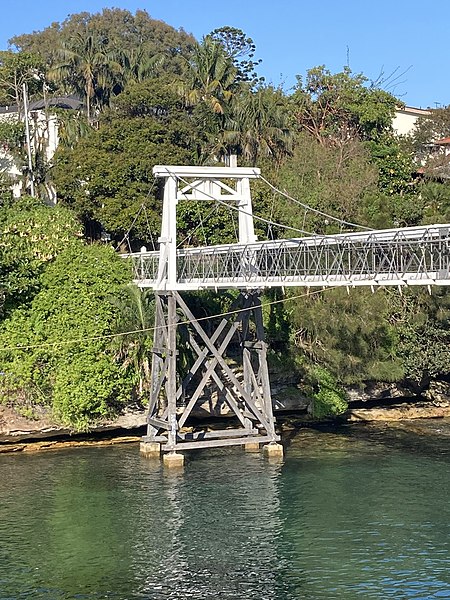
358,513
219,531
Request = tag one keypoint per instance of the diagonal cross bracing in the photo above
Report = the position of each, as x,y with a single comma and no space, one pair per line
209,375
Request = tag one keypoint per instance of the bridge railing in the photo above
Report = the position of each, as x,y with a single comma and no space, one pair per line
413,256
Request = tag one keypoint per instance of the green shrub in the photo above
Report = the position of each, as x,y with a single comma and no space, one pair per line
328,398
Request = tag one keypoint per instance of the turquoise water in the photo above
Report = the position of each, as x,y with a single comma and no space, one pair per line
360,513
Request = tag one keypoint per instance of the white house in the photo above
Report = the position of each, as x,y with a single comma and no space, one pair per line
43,137
406,118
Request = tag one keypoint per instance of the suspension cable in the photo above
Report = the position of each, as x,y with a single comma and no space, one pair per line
142,207
239,210
201,224
126,236
311,209
188,237
149,229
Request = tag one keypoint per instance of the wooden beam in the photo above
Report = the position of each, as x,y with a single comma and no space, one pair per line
229,399
206,172
171,379
217,433
157,423
223,365
238,441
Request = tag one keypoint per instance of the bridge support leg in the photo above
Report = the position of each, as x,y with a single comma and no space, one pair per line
173,460
274,451
205,377
150,449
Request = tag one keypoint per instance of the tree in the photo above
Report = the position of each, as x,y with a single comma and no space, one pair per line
32,236
435,196
340,111
107,176
335,108
241,49
17,68
352,336
338,180
430,156
423,324
257,125
432,127
12,138
210,77
139,64
88,68
119,29
57,351
133,350
403,205
72,126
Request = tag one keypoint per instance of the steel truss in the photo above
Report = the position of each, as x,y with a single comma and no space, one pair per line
209,375
408,256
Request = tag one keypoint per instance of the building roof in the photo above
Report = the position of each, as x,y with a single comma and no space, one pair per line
67,102
5,110
443,141
412,110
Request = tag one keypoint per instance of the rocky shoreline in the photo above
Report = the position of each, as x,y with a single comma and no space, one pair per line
377,402
20,433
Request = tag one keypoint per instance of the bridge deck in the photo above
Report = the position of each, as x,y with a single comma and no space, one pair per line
408,256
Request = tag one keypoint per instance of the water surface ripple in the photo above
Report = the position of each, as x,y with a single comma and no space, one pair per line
357,513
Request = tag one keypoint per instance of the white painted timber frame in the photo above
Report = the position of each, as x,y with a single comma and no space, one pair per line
417,256
200,183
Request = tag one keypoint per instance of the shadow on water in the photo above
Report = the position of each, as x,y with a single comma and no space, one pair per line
353,512
419,436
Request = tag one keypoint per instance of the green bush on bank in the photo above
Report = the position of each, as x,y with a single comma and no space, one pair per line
32,235
328,397
56,350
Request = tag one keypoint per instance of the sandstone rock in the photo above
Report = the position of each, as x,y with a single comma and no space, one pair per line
438,392
398,412
380,391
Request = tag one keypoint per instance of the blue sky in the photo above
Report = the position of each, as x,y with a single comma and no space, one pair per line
408,39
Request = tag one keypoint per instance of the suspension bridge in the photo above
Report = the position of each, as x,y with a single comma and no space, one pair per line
394,257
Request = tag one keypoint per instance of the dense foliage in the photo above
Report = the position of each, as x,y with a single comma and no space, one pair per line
56,349
154,95
32,235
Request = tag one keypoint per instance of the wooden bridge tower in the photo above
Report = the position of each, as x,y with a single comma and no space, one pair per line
225,366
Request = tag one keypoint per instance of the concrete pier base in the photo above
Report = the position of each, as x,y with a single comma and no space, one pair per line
173,460
150,449
251,447
274,451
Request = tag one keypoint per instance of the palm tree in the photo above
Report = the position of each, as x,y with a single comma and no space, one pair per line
257,125
134,323
89,68
139,64
72,125
210,76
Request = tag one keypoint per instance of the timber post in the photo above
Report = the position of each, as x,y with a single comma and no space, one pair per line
213,356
